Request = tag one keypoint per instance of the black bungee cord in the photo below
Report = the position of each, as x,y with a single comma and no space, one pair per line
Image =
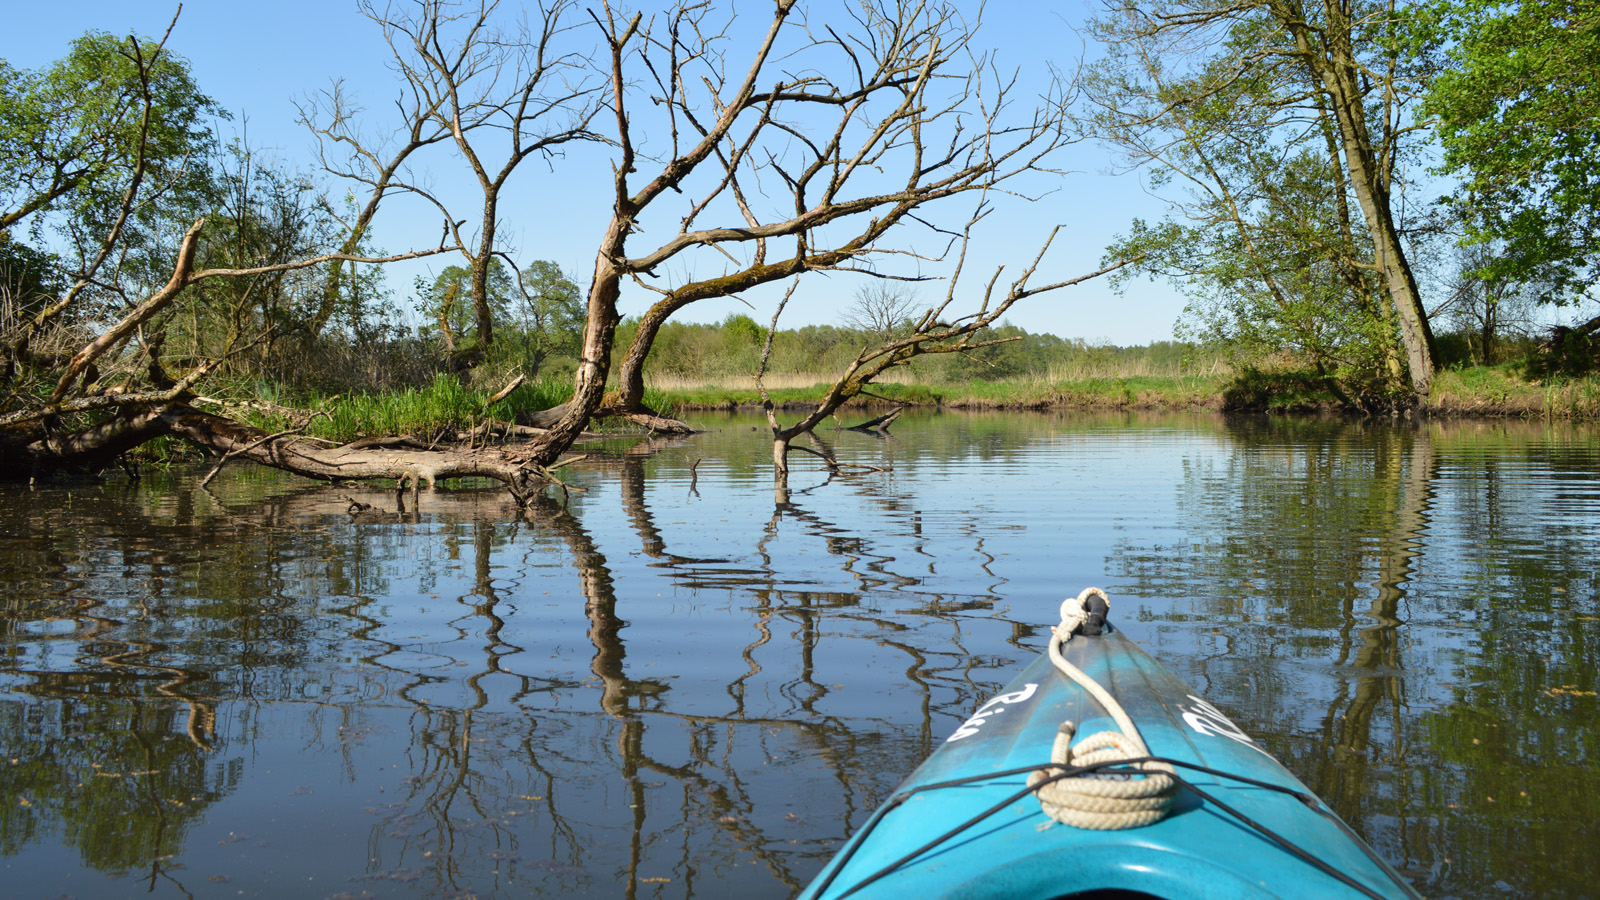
1113,767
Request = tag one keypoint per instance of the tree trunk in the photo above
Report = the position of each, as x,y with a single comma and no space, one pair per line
1331,61
594,362
780,469
482,313
630,375
91,450
411,465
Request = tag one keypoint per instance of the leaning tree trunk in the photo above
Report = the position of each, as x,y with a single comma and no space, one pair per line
594,362
1331,60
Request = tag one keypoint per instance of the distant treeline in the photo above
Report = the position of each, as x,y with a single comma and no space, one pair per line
687,353
729,352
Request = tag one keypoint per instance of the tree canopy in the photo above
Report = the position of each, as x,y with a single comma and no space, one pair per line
1517,98
1285,126
72,132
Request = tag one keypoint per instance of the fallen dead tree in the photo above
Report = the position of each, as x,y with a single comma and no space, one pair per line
406,463
405,460
811,153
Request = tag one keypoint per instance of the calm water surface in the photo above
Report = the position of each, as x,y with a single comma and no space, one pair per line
671,689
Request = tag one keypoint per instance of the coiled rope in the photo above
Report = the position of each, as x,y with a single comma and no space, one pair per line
1099,801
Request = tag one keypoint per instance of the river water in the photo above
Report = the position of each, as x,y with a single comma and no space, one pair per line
671,688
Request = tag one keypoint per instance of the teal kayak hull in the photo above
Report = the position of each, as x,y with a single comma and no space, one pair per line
1200,851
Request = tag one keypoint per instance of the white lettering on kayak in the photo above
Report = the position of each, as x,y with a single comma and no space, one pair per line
1207,719
997,705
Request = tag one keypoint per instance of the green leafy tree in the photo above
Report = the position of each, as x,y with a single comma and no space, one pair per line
1518,107
71,132
549,316
1271,263
448,305
257,212
1289,123
99,152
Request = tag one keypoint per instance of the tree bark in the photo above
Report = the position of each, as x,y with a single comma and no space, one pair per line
410,465
1331,60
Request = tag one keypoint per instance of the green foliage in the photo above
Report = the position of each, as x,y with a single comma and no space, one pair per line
445,404
1279,132
260,213
538,316
740,329
546,322
71,130
531,395
727,353
441,406
690,351
1518,107
70,134
446,302
29,278
1570,352
1270,258
1491,312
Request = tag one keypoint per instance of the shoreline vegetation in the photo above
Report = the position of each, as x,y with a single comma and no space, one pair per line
1478,392
446,409
709,369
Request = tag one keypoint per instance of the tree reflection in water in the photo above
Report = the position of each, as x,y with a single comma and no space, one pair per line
1369,564
674,687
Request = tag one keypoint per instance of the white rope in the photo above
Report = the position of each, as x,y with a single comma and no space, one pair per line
1106,802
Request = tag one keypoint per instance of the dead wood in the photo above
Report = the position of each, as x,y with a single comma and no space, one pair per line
641,415
933,332
506,391
881,423
405,462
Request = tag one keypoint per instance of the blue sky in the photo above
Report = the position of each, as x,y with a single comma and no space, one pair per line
256,59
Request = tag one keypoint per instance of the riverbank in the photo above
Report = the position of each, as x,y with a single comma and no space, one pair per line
445,407
1472,392
1141,392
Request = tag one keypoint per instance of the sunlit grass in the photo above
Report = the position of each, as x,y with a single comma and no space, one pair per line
445,406
1032,392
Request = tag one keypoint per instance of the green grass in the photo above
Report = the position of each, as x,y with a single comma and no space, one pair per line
1504,391
446,406
1476,391
1142,392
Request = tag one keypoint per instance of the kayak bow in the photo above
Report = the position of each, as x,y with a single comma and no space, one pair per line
1233,823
